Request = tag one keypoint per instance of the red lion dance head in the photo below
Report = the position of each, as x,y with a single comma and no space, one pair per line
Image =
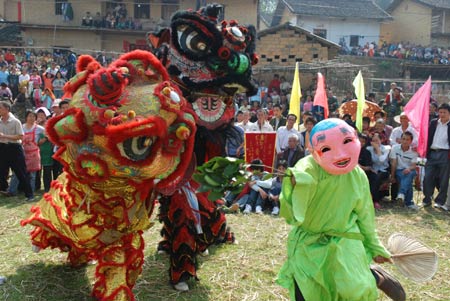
128,134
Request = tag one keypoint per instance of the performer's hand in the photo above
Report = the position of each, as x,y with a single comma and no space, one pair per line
381,259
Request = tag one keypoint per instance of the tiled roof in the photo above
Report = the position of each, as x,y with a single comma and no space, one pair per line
384,4
365,9
297,29
436,3
9,33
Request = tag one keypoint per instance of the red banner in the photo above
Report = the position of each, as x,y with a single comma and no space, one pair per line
260,146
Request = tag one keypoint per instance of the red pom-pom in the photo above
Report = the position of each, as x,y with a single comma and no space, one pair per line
85,60
224,53
255,59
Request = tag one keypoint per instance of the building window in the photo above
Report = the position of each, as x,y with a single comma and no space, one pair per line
59,6
111,5
354,41
320,32
168,8
142,9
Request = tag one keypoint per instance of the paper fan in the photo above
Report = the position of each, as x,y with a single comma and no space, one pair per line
414,260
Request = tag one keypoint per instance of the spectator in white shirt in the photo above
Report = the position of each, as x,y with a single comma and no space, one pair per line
283,133
405,126
246,125
403,169
261,125
24,76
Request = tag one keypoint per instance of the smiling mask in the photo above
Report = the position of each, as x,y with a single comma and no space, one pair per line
335,146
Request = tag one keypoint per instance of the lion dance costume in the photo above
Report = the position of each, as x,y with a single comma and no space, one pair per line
210,62
127,136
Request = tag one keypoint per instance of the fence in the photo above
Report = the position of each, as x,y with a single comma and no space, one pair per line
440,88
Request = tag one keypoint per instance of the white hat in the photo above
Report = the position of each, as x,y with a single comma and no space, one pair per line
398,117
43,109
56,102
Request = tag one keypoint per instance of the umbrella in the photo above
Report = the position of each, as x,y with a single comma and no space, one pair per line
369,110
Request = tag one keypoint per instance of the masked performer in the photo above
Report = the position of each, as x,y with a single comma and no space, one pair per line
333,239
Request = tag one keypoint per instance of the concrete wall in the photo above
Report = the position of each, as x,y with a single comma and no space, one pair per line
368,31
244,11
87,40
10,10
412,22
82,41
2,9
43,12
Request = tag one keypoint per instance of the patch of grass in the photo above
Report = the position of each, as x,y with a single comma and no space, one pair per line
245,271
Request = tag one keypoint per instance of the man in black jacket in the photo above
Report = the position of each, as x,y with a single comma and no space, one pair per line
437,168
278,119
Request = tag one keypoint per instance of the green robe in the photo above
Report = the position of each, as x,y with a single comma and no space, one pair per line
333,238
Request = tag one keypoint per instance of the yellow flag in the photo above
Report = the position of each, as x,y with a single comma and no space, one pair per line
358,83
296,94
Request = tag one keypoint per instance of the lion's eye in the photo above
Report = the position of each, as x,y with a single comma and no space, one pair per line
137,148
192,41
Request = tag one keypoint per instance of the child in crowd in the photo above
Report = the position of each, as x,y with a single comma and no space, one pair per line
47,98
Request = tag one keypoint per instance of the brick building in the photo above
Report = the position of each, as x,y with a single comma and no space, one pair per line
286,44
280,47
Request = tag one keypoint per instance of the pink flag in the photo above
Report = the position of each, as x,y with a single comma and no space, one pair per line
418,110
321,98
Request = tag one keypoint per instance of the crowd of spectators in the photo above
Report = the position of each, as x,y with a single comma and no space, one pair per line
115,18
38,70
31,92
389,144
17,65
33,81
408,51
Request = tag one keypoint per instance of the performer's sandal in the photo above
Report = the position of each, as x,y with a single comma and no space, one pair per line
388,284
